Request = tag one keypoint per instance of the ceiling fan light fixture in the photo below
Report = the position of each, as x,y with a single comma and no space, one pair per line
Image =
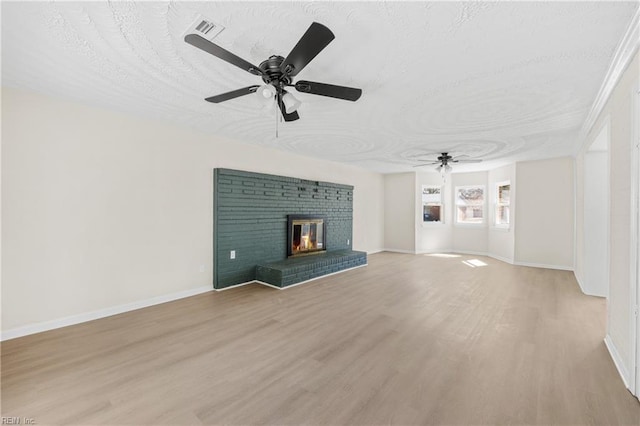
444,169
291,103
266,91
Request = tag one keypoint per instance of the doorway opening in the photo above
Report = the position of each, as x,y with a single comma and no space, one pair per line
596,215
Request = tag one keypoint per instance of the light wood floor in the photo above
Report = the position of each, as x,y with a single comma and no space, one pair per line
407,340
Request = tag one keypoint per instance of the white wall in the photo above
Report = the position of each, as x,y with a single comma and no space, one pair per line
595,280
399,209
100,209
617,112
544,231
578,268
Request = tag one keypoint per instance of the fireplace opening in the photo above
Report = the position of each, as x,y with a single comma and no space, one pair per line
305,234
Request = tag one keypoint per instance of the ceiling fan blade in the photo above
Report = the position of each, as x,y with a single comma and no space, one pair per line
204,44
231,95
427,164
287,117
427,154
323,89
312,42
465,161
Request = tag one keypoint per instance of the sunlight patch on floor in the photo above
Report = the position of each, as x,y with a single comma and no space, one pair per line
473,263
445,255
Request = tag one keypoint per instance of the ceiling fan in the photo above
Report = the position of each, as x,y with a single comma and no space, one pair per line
277,72
443,161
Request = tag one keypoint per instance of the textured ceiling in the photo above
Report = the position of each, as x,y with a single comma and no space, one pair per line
500,81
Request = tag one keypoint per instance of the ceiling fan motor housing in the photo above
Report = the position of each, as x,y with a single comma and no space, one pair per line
444,158
272,73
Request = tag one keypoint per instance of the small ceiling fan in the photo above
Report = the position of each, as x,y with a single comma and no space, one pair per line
443,161
277,72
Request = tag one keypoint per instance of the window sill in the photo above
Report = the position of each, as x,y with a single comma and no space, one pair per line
501,228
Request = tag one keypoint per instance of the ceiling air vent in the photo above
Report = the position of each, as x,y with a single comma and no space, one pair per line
204,27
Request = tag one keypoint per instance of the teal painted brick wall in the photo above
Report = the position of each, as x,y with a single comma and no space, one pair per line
250,217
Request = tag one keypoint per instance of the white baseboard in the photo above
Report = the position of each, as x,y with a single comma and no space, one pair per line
312,279
399,251
289,286
235,286
471,253
579,280
268,285
617,360
375,251
433,251
584,289
101,313
545,266
247,283
501,258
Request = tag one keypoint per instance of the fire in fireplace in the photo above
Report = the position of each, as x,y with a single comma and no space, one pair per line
305,234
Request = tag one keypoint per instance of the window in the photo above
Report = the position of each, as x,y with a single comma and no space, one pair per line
470,204
432,204
503,213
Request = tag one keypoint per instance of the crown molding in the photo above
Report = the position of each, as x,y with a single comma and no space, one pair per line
624,53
